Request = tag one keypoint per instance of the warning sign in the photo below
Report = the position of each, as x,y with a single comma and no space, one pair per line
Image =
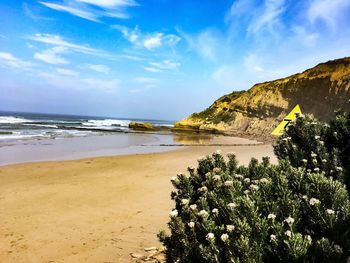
290,117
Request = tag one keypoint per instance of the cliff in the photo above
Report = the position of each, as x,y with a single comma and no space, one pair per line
319,91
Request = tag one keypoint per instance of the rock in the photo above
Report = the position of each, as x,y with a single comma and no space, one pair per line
151,248
143,126
136,255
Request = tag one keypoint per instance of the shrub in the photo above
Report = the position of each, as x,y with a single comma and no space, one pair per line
259,213
318,146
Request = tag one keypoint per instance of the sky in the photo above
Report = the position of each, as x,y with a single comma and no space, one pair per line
157,59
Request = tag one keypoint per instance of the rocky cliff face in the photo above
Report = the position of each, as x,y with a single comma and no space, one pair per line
319,91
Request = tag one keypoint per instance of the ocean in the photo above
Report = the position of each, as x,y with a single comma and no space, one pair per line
22,125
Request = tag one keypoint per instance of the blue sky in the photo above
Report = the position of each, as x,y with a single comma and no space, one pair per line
161,59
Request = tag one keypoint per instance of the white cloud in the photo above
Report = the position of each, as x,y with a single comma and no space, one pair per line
132,35
143,84
328,11
207,43
150,69
153,41
269,17
9,60
162,65
51,56
72,10
225,76
149,41
93,10
65,78
110,3
67,72
99,68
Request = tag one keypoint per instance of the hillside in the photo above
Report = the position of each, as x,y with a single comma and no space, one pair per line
319,91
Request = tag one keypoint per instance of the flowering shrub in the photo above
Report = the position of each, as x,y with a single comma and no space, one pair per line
318,146
259,213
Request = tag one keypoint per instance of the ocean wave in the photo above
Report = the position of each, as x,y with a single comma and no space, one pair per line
11,119
107,123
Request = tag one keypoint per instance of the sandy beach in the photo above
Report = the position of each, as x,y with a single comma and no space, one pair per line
93,210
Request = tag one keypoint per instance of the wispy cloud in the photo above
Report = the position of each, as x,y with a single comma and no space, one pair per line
67,72
149,41
93,10
144,83
51,56
72,10
99,68
9,60
59,42
69,79
329,12
207,43
162,66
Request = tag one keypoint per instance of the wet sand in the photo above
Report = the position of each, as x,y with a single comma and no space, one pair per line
96,209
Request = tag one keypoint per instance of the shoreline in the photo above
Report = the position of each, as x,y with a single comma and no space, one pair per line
119,144
94,209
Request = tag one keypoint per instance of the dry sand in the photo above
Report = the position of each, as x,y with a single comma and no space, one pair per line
92,210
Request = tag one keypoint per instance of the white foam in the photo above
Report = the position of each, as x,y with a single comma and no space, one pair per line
11,119
107,123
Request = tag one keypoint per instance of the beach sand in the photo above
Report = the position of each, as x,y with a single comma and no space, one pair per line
96,209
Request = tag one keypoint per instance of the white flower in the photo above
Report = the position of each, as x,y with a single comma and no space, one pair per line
224,237
324,160
203,189
193,207
231,206
185,201
273,238
255,181
271,216
246,192
313,155
228,183
246,180
216,178
339,169
308,237
317,137
304,160
239,177
215,211
264,181
173,213
230,228
218,151
289,220
288,233
330,211
203,213
314,201
305,197
253,187
175,180
316,169
207,174
338,249
217,170
335,133
321,142
191,224
210,236
294,146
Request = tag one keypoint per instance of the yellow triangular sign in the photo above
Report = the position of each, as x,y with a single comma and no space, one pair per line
290,117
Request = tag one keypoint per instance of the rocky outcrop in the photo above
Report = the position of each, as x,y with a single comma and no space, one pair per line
141,126
319,91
